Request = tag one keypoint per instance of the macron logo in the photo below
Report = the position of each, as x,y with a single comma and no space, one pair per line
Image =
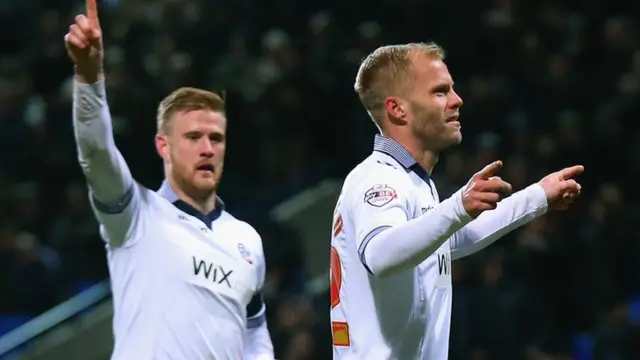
212,272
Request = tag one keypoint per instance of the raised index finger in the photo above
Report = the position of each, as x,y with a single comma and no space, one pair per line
568,173
490,170
92,11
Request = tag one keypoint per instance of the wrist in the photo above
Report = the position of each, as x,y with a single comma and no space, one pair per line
88,74
458,207
538,195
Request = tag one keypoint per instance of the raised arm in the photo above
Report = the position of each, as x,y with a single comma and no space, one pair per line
110,181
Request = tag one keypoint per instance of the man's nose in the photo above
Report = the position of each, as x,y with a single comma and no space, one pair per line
456,101
206,148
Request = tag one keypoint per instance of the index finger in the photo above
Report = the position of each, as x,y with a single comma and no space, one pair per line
504,188
495,184
92,11
490,170
568,173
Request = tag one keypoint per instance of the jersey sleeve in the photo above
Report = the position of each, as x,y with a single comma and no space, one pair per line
389,239
376,203
115,197
122,222
511,213
256,310
258,345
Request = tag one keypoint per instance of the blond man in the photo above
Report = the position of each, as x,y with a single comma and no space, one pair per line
393,240
185,274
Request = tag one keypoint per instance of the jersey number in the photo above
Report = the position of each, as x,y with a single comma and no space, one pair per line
336,277
339,329
336,265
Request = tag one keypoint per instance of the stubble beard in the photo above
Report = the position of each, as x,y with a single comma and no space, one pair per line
193,187
432,130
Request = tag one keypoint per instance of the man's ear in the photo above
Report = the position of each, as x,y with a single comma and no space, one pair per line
396,109
162,147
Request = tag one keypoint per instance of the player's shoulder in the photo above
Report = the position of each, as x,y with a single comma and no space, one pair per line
241,229
158,203
375,170
149,196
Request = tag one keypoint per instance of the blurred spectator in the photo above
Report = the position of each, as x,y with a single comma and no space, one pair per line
31,275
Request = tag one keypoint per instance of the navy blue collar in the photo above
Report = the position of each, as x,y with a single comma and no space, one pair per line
168,193
389,146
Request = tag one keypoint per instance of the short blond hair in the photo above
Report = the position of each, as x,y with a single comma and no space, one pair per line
187,99
387,70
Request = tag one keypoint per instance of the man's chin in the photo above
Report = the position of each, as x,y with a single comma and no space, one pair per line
205,185
457,139
451,139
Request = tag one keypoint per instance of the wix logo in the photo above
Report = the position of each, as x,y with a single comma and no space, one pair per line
212,272
444,264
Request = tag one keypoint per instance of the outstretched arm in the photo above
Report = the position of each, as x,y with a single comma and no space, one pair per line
390,240
511,213
555,191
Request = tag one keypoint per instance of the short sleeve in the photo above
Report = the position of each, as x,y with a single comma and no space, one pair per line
376,203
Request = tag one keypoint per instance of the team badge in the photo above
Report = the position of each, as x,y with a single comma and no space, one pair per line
245,253
380,195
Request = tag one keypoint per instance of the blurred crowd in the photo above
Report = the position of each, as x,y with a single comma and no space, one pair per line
545,83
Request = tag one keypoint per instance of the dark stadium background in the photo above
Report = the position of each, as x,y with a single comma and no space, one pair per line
545,83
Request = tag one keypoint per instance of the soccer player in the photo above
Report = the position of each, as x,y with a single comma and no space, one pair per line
186,275
393,240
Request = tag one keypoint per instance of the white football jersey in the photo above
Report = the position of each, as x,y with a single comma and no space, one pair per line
181,281
405,316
